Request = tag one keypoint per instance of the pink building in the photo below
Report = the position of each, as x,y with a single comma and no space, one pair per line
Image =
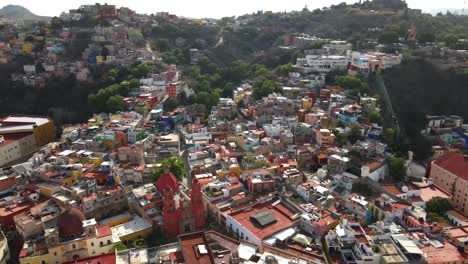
450,173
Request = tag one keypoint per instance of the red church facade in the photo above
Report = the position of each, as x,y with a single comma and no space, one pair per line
180,212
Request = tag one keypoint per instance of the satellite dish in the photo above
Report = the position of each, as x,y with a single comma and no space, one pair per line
404,189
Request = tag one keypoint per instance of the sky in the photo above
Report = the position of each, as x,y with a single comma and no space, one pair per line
209,8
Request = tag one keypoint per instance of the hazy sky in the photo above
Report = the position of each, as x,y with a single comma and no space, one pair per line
209,8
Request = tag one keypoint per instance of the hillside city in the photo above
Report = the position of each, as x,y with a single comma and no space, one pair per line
134,138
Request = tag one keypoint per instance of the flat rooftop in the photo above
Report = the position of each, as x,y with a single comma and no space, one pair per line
448,253
284,218
13,124
194,248
136,225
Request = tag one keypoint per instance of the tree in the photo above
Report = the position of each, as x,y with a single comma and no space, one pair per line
388,37
426,37
352,84
284,70
169,105
141,70
134,83
375,117
388,135
354,135
434,218
263,87
176,167
141,135
115,104
439,206
340,123
341,138
119,246
397,169
162,45
451,40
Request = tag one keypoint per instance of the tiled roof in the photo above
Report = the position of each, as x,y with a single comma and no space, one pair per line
455,163
283,221
103,231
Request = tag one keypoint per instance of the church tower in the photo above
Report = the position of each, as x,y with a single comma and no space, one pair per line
198,209
171,214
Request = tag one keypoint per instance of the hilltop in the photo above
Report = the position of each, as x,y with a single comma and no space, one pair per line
17,12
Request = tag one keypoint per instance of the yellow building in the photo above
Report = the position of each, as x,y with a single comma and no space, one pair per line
137,228
74,237
307,103
27,47
47,189
235,169
94,121
96,161
42,127
116,220
45,133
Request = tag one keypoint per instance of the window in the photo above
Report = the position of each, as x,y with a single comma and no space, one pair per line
73,246
92,244
101,244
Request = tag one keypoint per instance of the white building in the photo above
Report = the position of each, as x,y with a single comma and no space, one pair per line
322,63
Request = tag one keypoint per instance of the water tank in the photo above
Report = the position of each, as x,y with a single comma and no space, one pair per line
77,166
225,193
322,173
404,189
365,170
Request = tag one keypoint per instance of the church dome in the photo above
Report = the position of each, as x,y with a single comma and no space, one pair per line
70,223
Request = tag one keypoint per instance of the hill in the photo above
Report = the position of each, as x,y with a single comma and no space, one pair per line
17,12
418,88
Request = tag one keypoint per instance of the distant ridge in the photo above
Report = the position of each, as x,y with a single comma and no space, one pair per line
454,11
17,12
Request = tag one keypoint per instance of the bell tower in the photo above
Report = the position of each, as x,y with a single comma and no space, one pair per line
171,214
90,227
198,209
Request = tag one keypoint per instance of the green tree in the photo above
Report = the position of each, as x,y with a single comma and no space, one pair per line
284,70
141,70
340,123
162,45
263,87
341,138
426,37
375,117
169,105
439,205
115,104
434,218
388,135
451,40
352,84
354,134
134,83
176,167
397,169
388,37
119,247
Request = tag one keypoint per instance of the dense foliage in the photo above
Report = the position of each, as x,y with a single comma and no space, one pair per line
176,167
417,88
